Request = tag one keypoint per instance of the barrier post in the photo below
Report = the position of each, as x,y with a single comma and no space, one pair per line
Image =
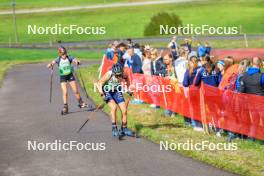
100,69
163,93
203,111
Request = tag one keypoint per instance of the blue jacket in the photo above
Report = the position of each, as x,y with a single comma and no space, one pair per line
253,70
208,50
238,82
109,54
209,79
252,82
188,79
201,51
161,68
136,64
220,76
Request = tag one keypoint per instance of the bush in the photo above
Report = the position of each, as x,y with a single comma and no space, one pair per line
163,18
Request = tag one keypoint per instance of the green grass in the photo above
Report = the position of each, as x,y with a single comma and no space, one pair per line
10,57
40,54
130,21
247,160
28,4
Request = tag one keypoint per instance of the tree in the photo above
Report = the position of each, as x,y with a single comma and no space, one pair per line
163,18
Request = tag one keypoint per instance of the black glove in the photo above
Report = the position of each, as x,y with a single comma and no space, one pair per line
103,96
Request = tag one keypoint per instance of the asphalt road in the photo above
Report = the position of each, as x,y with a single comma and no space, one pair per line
25,114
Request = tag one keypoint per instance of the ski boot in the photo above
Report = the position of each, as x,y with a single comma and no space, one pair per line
115,132
65,109
126,132
82,104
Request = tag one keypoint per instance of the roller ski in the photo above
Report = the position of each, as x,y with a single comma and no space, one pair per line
124,131
65,110
115,132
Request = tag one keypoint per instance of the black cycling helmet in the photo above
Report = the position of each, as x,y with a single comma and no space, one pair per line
117,69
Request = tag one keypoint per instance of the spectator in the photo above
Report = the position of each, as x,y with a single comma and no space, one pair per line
111,51
121,49
154,96
169,72
208,75
201,50
231,78
159,67
167,60
221,69
189,77
146,64
207,49
252,81
137,50
173,46
181,64
191,72
134,61
243,65
154,58
188,44
130,43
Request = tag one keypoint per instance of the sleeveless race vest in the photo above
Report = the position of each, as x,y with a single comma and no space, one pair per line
113,83
65,67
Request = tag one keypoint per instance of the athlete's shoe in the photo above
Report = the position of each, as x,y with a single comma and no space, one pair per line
231,136
136,101
115,131
65,109
82,105
126,132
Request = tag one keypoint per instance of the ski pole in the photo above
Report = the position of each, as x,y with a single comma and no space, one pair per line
96,109
82,82
51,78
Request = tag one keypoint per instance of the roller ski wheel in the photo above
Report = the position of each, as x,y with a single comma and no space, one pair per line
65,110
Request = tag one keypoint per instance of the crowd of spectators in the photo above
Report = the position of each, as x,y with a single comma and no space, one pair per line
190,66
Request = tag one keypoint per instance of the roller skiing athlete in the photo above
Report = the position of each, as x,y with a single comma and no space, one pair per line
64,62
110,89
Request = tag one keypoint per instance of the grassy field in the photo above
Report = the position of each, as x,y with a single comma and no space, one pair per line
130,21
247,160
10,57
